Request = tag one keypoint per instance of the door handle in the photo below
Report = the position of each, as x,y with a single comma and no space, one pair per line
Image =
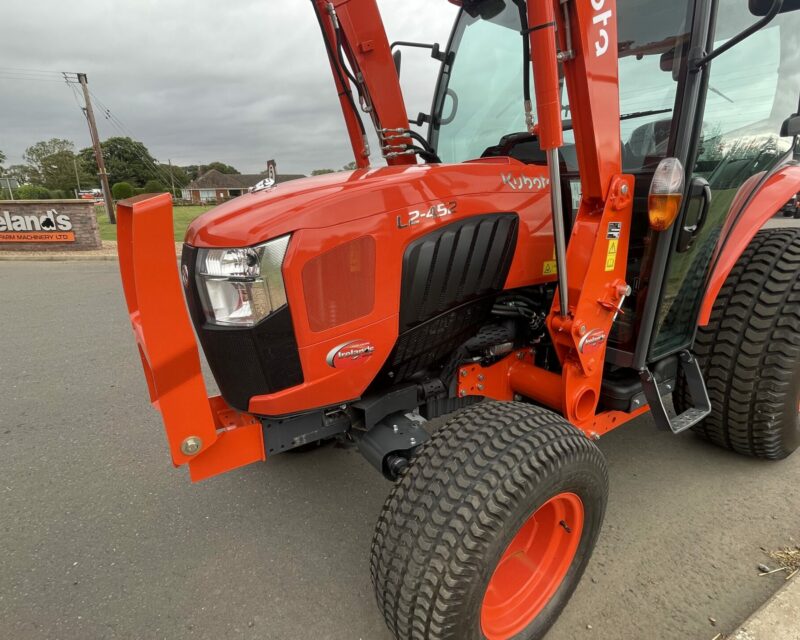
698,189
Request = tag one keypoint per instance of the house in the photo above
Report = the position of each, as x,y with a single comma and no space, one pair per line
215,186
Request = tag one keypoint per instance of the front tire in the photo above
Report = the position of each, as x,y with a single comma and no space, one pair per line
750,351
488,532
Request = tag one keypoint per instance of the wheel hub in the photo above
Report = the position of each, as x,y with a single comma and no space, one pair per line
532,567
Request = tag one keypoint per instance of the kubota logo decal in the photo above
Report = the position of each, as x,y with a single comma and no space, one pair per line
601,43
50,227
350,354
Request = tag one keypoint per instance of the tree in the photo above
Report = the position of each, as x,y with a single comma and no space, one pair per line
2,160
350,166
321,172
52,164
122,190
192,171
219,166
40,158
127,160
179,176
154,186
19,172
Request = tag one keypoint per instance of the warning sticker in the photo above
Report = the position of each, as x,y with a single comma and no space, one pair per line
611,255
614,229
550,267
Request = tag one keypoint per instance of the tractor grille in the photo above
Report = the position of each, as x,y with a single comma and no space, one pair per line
450,278
463,261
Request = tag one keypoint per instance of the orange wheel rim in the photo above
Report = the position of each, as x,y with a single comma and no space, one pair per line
532,567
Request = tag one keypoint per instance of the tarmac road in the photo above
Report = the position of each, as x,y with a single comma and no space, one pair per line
101,538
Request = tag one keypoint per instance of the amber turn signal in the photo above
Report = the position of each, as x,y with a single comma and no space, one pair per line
666,194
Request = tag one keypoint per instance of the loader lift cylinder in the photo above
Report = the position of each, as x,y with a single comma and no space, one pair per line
559,233
542,33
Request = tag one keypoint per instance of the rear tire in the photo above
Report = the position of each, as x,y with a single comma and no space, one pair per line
750,351
493,475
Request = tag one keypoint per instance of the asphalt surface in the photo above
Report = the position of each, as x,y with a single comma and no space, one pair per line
101,538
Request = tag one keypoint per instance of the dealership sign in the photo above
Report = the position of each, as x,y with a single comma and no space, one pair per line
50,226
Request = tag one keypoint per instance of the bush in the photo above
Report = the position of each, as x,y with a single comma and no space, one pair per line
138,191
154,186
122,190
33,192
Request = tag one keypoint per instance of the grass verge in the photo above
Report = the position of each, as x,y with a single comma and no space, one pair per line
181,218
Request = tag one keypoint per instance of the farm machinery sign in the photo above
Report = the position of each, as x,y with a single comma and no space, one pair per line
48,225
52,226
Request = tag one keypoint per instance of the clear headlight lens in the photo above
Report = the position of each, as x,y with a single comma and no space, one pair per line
240,287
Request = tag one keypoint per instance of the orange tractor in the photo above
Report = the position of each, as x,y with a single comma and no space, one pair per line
572,235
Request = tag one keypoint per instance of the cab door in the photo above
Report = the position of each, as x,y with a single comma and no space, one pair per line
746,93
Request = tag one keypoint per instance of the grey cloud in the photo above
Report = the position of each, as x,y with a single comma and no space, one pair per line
196,81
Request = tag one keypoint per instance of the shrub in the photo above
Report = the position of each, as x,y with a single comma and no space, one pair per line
122,190
33,192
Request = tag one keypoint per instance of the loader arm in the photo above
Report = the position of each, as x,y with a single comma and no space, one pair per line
358,49
592,265
203,432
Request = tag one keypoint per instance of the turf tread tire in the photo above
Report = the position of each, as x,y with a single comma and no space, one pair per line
749,352
433,539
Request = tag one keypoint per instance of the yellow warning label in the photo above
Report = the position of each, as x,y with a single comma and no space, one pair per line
550,267
611,256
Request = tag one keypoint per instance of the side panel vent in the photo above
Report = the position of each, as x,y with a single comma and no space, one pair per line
463,261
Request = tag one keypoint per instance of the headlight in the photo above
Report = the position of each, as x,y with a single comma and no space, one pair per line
240,287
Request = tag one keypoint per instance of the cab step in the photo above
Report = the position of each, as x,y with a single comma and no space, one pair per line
701,405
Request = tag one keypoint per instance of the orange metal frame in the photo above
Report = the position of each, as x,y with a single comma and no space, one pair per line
168,349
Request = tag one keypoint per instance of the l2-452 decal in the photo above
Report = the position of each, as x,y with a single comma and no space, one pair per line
440,210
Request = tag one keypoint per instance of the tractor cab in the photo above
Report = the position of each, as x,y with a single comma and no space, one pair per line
668,109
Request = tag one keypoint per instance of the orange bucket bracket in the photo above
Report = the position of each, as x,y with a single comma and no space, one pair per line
204,432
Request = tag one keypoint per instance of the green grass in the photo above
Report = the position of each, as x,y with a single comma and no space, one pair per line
181,217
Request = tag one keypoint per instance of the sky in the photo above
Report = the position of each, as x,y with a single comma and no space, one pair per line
196,81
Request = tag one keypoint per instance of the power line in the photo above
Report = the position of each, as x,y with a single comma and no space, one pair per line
71,79
158,171
4,76
39,71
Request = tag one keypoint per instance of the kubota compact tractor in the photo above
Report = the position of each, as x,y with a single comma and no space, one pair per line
576,238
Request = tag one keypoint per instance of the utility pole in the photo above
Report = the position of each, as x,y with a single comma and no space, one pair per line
77,177
10,191
171,178
98,152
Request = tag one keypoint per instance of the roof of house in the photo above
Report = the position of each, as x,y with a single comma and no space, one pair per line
214,179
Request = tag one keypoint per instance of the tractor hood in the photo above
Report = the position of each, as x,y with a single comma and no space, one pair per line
332,199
